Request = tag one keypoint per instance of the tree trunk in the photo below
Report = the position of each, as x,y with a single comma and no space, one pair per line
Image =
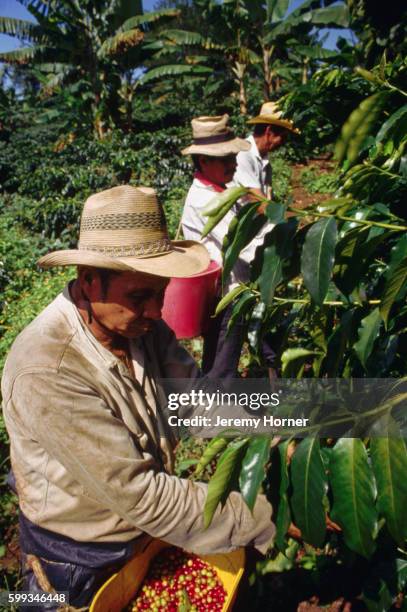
97,121
242,98
304,79
268,75
239,70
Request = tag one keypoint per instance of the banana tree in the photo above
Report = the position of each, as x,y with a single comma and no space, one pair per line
70,41
222,43
281,26
241,38
330,284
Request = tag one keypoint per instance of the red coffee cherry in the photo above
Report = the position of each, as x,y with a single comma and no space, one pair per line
176,577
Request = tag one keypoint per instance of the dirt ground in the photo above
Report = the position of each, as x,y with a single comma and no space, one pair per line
301,197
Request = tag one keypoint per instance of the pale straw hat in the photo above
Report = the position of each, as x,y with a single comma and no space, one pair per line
212,136
271,114
124,228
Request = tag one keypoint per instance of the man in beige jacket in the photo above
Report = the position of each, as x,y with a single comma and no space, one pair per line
91,449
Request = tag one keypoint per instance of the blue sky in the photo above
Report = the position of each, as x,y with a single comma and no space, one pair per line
11,8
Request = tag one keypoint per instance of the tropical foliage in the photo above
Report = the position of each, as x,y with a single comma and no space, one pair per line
92,49
101,93
331,284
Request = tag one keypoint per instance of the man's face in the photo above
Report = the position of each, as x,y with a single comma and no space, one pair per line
219,170
130,304
274,138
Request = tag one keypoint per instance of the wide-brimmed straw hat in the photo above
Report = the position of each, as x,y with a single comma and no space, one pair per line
271,114
212,136
124,229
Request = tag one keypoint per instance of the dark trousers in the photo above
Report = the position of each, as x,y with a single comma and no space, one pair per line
221,350
81,583
78,568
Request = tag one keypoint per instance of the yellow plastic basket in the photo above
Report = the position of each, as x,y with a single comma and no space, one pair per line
117,592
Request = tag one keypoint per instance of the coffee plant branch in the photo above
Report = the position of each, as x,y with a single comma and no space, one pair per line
389,226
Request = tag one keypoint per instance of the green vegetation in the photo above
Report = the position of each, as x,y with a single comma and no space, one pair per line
317,182
333,292
97,98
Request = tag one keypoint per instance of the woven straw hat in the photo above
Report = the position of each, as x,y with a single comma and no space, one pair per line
212,136
270,113
124,228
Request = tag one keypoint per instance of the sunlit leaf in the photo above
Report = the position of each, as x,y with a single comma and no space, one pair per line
252,472
359,125
242,306
293,360
225,475
174,70
229,298
215,446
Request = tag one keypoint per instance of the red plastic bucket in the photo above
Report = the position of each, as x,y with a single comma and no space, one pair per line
188,302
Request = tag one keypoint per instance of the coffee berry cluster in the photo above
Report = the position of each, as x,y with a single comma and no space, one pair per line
178,580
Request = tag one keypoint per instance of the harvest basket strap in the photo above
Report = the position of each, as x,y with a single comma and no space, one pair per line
35,564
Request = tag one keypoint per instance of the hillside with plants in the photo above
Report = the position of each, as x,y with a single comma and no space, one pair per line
101,94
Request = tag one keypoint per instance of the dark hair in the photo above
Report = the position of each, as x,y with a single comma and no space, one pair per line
197,165
260,128
195,161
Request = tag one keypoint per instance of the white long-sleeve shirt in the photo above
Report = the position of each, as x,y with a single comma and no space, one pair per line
193,223
253,170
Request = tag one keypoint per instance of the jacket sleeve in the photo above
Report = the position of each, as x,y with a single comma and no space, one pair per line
78,429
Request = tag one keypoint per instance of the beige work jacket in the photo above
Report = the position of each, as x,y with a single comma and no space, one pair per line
91,448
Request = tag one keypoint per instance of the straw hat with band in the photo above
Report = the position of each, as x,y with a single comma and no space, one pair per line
124,229
270,114
213,137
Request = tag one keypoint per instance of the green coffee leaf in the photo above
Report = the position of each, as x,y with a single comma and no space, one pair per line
389,462
283,517
293,361
309,487
317,259
225,199
229,297
224,477
278,246
253,468
367,332
394,283
359,126
215,446
354,493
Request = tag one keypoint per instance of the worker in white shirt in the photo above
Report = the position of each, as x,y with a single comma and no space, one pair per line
214,151
270,132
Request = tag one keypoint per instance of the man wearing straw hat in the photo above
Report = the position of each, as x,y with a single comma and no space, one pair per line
214,150
270,131
91,450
